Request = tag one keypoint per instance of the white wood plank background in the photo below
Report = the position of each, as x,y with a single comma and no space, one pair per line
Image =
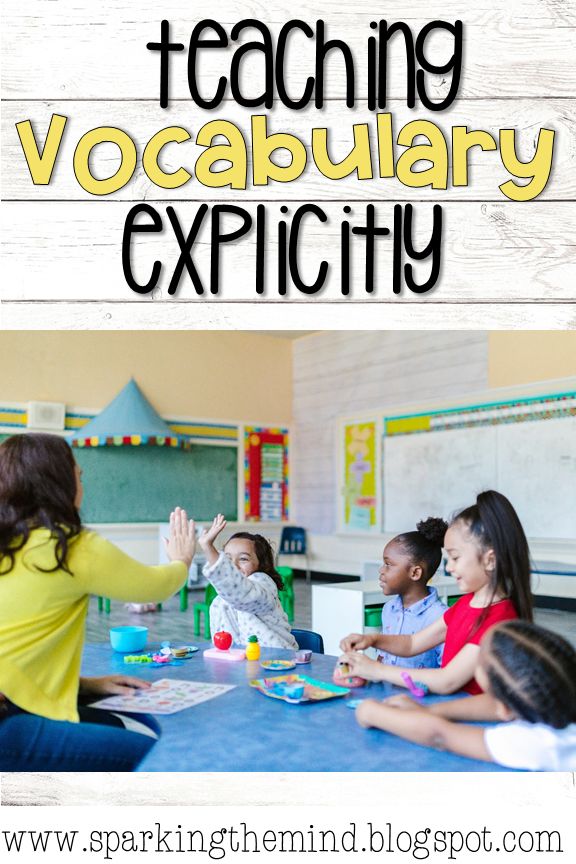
307,790
370,370
142,120
505,264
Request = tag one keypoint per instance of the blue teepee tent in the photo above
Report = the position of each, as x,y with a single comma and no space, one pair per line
129,419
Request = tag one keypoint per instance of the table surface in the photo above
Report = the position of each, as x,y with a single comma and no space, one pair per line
242,730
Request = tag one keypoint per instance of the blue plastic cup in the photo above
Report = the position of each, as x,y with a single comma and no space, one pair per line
129,638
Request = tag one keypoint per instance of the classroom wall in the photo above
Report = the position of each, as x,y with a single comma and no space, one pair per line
338,373
520,357
347,373
217,375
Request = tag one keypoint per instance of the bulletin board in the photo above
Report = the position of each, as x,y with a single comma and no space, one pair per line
360,469
266,474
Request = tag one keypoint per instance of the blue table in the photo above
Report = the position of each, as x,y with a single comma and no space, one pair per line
242,730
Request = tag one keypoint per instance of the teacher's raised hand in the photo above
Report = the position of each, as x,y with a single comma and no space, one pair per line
181,542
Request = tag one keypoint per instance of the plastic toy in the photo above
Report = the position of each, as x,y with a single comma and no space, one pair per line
233,655
253,648
343,677
222,640
277,665
297,689
137,658
183,652
417,689
219,652
290,692
125,640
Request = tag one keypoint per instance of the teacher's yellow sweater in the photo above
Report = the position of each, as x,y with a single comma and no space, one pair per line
42,615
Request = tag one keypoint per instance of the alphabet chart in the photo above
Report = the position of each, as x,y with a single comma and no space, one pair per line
166,696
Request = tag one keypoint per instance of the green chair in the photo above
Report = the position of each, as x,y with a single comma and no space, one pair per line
204,609
373,615
104,605
184,598
286,596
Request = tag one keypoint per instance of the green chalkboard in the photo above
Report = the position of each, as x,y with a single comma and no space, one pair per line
143,484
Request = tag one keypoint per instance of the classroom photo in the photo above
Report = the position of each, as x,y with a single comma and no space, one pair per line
287,551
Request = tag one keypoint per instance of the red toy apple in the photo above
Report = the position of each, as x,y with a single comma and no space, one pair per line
222,640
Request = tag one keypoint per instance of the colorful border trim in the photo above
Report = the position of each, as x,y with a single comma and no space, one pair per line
130,440
13,417
74,422
490,414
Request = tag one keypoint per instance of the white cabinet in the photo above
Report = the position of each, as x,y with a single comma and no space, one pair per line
338,608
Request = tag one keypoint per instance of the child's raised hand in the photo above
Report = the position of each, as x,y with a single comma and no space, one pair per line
356,642
208,536
181,544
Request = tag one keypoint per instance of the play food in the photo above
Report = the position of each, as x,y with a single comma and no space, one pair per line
183,651
253,648
222,640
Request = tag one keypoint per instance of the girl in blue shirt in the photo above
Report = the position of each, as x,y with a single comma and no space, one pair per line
409,562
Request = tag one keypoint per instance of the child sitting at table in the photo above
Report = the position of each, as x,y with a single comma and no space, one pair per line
488,556
247,583
528,675
409,561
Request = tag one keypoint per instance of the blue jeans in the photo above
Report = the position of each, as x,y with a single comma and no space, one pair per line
98,743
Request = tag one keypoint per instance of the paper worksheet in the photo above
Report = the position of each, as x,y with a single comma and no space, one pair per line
166,696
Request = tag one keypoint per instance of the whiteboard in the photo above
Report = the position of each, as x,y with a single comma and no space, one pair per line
439,473
537,471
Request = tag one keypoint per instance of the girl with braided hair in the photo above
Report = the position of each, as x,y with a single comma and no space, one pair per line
247,583
487,554
529,678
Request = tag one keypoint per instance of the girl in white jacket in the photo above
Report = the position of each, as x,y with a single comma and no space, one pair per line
247,583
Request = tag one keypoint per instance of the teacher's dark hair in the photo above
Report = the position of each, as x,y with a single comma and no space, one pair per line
37,490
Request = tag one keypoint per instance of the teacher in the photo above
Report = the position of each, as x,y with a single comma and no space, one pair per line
49,566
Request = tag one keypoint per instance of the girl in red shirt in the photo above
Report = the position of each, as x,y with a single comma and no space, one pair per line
487,553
